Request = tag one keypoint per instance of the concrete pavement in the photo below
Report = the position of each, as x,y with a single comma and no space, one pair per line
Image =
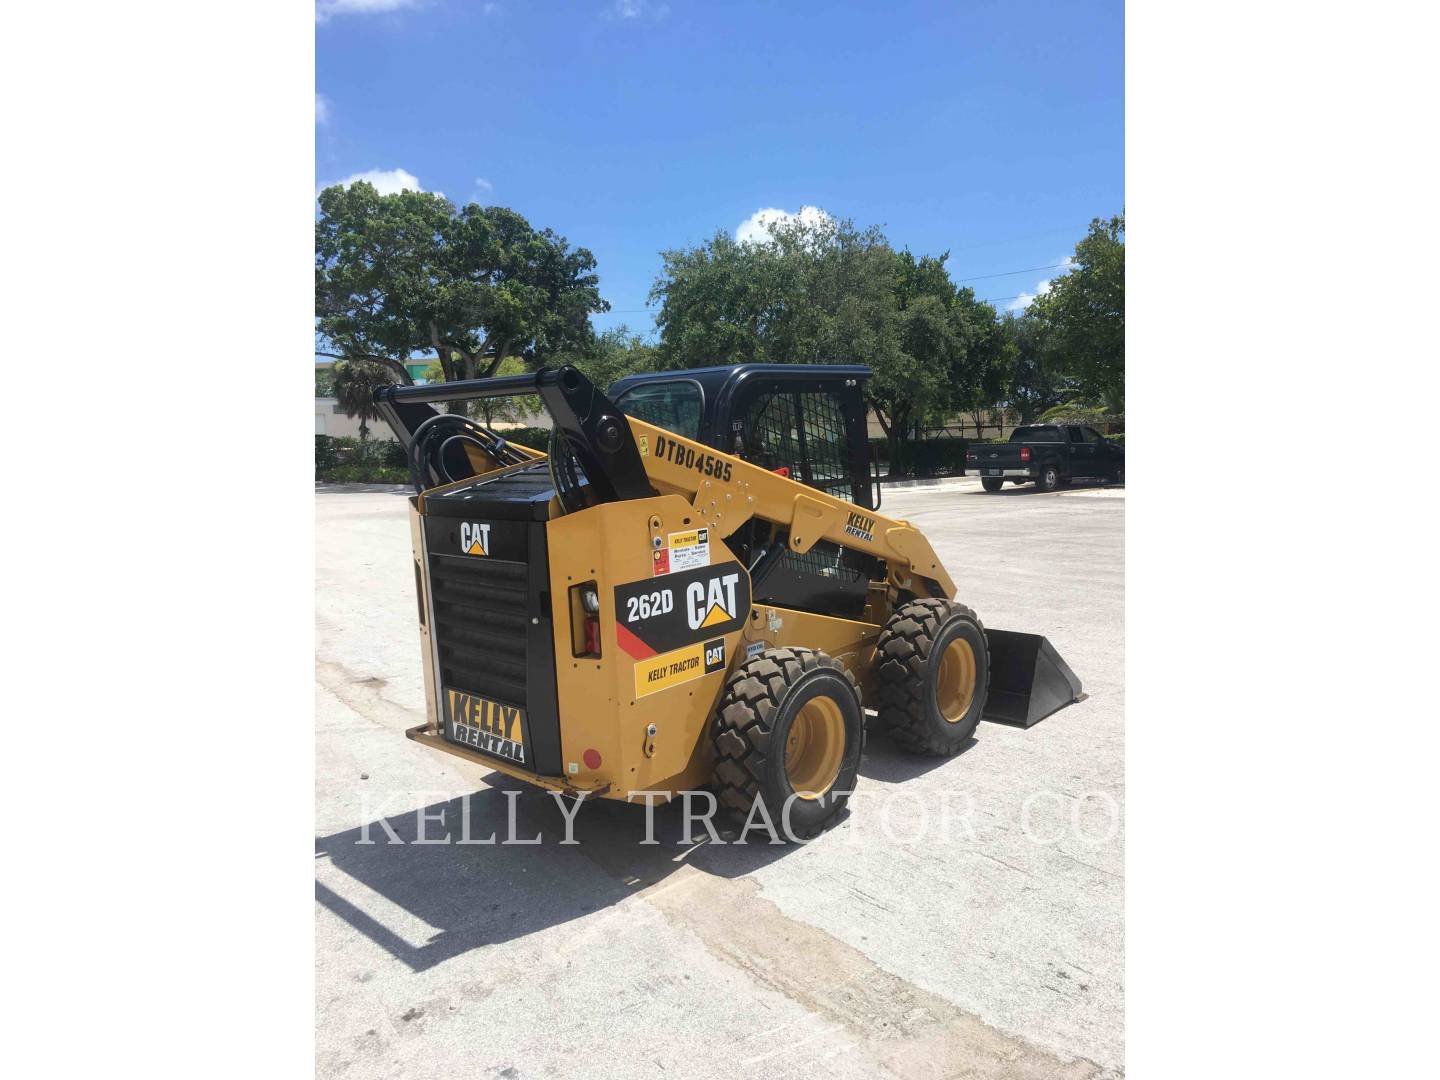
966,919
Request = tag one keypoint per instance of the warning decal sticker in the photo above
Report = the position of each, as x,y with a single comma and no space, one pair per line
689,550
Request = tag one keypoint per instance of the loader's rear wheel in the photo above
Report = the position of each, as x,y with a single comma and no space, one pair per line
991,483
932,672
788,732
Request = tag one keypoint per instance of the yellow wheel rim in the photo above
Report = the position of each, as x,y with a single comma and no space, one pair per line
814,748
955,683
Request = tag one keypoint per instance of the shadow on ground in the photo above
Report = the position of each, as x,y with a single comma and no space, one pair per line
1011,491
889,764
474,894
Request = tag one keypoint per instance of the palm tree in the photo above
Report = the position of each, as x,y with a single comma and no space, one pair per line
355,384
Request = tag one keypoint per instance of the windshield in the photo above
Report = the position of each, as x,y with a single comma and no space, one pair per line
1035,434
674,406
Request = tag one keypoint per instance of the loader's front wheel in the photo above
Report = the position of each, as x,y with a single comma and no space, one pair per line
788,733
932,672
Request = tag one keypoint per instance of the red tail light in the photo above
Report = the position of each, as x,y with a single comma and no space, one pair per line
585,619
1024,453
972,456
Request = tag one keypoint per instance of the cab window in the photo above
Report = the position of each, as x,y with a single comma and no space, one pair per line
675,405
801,432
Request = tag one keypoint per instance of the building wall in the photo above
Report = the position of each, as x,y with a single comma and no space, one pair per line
330,420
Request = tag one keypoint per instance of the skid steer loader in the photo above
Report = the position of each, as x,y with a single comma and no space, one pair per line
693,588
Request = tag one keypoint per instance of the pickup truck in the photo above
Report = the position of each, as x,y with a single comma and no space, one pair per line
1049,454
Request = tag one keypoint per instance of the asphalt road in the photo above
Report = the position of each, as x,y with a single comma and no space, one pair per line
965,920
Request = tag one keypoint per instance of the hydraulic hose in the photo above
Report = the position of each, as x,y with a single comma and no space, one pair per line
425,451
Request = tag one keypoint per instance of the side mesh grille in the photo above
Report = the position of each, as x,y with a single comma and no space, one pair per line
480,625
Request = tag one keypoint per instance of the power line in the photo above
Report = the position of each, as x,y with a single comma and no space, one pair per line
1009,273
1013,239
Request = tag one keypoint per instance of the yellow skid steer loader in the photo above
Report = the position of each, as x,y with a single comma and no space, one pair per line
693,588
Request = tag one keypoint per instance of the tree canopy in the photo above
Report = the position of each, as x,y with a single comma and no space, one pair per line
825,291
354,386
483,291
1083,315
615,353
407,274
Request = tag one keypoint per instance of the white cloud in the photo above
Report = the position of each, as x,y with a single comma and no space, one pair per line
756,228
633,9
322,109
386,181
326,9
1024,300
491,9
483,186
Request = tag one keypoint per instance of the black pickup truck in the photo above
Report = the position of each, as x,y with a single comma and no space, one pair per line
1049,454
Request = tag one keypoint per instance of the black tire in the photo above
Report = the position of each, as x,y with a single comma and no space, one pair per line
1049,478
909,658
1120,475
991,483
757,715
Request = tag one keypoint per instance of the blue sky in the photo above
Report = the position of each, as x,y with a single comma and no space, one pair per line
992,130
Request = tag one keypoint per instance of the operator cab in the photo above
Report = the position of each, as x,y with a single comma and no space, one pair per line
804,421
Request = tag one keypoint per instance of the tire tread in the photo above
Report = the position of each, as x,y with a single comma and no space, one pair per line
741,730
902,683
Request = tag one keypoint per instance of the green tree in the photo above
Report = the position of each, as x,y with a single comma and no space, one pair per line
1084,314
407,274
617,352
715,303
1035,382
816,292
355,384
374,256
981,377
915,386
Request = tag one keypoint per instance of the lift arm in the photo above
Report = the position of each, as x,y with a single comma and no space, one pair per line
728,491
626,458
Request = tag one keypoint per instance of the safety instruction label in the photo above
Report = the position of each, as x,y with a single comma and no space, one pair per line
679,666
689,550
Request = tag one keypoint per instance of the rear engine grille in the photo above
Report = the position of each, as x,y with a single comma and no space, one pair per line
480,625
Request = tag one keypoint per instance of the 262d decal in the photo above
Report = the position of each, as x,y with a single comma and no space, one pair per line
675,631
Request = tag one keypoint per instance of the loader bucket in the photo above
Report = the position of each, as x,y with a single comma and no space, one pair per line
1028,680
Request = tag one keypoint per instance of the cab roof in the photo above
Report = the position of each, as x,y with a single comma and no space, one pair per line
723,379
